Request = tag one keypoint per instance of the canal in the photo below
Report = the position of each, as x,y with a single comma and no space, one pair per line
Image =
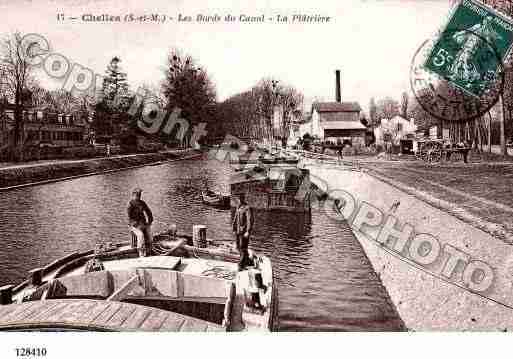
325,280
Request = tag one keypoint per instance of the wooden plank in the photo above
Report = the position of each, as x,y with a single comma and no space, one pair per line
161,282
6,309
66,312
154,320
156,262
95,283
215,328
53,306
237,309
137,318
196,286
215,300
179,286
121,277
32,311
122,315
173,323
20,308
96,311
227,320
105,316
121,293
193,325
79,311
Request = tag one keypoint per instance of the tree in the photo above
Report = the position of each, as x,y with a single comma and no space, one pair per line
372,113
16,82
63,101
291,100
404,105
115,87
422,118
505,103
250,113
266,92
114,100
188,87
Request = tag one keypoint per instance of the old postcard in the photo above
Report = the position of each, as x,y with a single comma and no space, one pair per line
254,166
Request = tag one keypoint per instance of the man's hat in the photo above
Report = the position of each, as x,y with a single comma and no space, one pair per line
137,190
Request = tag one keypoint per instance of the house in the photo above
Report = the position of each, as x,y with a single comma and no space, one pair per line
398,129
44,128
337,122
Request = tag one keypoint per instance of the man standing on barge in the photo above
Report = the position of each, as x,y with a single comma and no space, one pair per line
242,225
140,219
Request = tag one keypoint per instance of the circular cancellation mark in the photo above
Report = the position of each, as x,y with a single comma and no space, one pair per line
458,77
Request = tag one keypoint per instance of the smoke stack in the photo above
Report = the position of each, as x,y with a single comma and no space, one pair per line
337,86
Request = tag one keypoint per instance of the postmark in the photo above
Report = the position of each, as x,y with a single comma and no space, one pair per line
459,75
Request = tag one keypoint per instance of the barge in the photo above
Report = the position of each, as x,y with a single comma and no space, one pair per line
273,187
181,287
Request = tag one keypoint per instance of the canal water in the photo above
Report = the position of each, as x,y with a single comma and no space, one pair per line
325,280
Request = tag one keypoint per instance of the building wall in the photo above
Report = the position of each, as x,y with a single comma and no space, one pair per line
316,125
340,116
407,128
357,137
60,130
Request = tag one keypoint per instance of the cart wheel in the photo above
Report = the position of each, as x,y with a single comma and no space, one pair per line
435,156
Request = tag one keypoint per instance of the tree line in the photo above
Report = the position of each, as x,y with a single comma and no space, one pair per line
185,85
494,127
250,114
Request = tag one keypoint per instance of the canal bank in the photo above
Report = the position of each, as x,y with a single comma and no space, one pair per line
26,175
428,297
326,282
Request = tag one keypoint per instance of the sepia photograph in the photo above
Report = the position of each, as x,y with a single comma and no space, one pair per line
254,166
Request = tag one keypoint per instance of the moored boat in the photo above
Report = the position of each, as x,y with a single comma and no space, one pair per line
215,199
180,287
273,187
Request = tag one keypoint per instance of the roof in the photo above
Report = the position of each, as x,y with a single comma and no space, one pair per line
336,107
248,176
343,125
89,314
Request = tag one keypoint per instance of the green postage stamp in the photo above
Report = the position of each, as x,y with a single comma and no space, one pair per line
472,47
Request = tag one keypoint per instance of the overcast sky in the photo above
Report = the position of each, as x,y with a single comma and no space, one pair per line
371,41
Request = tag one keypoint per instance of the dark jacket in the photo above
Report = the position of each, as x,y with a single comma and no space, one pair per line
139,213
243,220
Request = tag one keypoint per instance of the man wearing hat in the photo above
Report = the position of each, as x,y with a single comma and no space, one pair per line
242,223
140,218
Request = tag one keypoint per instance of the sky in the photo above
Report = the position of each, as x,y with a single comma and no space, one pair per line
372,42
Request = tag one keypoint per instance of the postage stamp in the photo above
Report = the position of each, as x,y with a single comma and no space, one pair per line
459,75
471,47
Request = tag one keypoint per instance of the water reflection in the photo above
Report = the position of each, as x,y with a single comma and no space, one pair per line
286,238
325,281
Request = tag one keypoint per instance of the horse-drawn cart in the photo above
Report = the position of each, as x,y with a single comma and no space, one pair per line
434,151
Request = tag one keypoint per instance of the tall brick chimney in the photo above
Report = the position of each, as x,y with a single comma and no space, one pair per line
338,97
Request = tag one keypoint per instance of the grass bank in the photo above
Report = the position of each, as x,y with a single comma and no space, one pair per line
479,193
12,177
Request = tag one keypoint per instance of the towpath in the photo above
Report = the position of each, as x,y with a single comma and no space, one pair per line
425,298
